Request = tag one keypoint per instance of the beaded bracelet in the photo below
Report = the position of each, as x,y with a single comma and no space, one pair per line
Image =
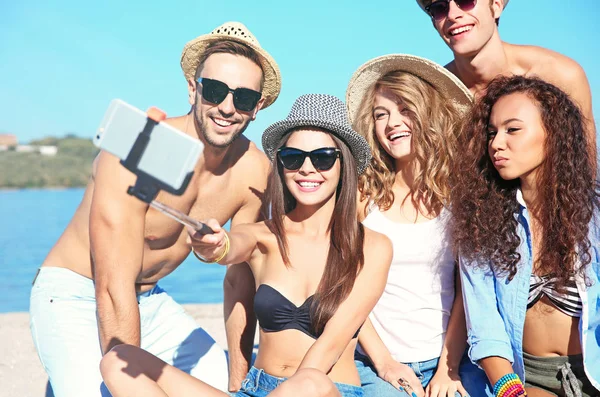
220,257
509,386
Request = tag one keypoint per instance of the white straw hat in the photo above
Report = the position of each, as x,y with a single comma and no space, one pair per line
439,77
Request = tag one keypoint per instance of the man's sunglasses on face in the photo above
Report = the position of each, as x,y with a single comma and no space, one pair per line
439,9
215,91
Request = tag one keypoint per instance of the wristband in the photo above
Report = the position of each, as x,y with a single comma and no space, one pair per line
509,386
217,259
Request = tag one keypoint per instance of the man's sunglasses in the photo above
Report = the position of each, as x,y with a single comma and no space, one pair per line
215,91
322,159
439,9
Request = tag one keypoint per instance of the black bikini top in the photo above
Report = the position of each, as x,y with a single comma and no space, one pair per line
276,313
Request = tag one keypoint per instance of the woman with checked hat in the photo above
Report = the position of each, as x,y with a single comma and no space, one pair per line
318,271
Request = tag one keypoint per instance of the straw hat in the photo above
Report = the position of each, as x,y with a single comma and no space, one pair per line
439,77
324,111
233,31
425,3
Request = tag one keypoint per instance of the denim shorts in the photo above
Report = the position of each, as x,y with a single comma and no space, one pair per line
374,386
258,383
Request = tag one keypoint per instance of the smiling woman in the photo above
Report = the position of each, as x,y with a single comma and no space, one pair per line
319,272
408,108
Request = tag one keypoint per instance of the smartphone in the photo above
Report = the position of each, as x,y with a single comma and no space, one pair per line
170,156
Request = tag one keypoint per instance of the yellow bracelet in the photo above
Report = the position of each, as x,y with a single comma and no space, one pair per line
225,252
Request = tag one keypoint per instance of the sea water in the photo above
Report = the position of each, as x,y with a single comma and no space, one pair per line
31,221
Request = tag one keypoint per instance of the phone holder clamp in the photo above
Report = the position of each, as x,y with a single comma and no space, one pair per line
147,187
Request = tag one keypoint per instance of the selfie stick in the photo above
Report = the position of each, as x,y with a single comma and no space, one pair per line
147,187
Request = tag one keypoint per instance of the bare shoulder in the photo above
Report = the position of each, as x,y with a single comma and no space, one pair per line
252,166
548,65
377,247
179,122
252,159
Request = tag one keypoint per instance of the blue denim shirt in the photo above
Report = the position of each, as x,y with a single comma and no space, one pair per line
495,308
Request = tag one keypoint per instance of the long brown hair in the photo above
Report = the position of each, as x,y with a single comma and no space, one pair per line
345,257
484,205
435,126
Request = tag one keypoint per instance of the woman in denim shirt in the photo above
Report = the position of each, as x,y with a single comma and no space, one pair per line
526,226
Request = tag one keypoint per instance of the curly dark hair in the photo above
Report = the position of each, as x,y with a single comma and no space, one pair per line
484,205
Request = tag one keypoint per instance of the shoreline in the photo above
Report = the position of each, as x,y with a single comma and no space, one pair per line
21,372
18,189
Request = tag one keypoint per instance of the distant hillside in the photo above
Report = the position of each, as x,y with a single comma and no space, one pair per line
70,167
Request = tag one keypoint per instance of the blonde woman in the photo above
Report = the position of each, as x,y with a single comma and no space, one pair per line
409,110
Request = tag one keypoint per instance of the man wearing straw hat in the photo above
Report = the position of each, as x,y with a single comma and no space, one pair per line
470,29
98,286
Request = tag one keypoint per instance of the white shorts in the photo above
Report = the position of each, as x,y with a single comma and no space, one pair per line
65,333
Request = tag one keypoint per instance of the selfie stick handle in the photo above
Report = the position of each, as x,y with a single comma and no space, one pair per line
181,217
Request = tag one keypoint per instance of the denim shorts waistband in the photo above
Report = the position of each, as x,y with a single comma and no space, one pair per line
258,378
536,362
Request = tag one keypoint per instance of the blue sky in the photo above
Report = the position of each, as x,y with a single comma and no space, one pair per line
62,62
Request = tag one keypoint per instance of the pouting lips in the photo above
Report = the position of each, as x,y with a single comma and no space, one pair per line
460,30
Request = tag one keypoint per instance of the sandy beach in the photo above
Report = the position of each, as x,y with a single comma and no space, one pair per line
22,375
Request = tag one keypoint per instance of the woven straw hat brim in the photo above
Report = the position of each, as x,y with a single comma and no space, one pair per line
439,77
425,3
358,146
190,58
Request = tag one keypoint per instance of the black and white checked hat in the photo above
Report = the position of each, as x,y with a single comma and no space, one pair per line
323,111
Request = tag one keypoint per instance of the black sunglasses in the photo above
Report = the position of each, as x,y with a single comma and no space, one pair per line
439,9
216,91
322,159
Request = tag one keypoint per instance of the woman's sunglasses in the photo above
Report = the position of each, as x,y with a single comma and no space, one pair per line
439,9
215,91
322,159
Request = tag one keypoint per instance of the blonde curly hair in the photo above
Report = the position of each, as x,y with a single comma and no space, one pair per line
436,123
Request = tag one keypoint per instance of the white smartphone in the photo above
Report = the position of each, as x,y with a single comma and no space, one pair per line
170,156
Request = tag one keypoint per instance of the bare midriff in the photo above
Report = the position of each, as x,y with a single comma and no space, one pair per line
549,332
271,360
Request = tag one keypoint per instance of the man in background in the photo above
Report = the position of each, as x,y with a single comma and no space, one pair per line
470,29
